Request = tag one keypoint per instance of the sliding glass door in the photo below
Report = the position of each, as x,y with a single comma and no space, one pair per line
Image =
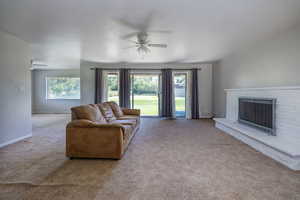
180,83
112,86
145,90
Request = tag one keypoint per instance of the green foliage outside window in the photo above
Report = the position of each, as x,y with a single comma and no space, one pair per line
112,85
145,85
63,88
112,82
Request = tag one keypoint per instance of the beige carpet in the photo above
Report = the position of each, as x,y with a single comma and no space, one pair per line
167,159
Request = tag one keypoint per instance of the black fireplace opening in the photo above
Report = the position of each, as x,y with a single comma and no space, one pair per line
258,112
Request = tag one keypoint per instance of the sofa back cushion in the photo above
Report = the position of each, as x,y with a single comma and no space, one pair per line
107,111
89,112
116,109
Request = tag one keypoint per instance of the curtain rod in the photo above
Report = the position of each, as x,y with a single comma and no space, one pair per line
93,68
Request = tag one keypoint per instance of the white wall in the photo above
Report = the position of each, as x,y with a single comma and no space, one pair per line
205,91
87,80
40,103
273,62
15,89
87,83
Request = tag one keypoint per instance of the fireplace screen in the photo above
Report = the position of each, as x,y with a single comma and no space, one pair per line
258,112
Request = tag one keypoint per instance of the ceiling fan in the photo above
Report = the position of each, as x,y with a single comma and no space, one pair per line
143,44
141,32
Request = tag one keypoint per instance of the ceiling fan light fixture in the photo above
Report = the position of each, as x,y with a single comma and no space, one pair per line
143,51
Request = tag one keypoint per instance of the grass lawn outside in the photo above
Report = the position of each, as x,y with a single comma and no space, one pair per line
149,104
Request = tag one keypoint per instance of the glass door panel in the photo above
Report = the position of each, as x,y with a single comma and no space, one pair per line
145,93
180,93
112,81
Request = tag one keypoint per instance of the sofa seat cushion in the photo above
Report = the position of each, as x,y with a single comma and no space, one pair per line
130,122
130,117
107,111
116,109
89,112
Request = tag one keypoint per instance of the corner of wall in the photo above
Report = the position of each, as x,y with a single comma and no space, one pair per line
218,90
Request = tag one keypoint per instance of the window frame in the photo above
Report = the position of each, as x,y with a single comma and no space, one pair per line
53,77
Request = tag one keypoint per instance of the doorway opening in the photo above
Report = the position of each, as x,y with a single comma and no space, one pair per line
180,83
145,93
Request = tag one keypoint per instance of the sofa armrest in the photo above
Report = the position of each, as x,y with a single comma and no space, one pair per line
128,111
85,138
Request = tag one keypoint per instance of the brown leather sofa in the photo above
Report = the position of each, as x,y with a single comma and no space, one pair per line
100,130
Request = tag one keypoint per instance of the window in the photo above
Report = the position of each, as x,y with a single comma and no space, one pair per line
113,87
63,87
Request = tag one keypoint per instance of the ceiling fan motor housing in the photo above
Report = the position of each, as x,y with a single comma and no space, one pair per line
142,37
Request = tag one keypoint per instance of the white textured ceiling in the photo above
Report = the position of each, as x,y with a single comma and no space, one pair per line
64,31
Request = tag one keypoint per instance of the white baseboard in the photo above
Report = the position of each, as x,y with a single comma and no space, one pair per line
15,140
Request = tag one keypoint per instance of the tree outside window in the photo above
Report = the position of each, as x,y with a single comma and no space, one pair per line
63,87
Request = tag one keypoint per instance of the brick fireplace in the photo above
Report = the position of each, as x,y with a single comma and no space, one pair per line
275,110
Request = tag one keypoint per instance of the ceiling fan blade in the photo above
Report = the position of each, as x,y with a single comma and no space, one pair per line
128,24
147,22
158,45
132,41
130,47
129,35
